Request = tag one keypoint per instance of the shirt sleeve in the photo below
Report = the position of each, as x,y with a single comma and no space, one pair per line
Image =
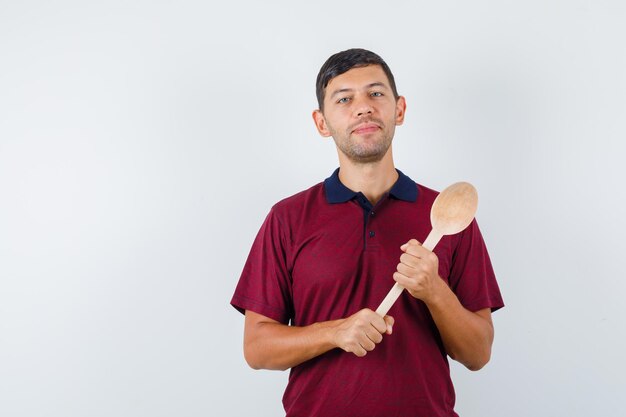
472,277
265,285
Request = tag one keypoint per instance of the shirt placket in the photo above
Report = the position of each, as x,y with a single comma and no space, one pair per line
370,223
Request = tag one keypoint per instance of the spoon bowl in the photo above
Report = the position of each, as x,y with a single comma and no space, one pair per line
454,208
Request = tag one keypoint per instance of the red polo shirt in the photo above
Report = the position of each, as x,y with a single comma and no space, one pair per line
326,253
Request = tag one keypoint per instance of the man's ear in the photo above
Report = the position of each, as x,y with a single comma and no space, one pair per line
320,123
400,110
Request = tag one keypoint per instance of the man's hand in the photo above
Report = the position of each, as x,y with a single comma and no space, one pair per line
362,331
418,272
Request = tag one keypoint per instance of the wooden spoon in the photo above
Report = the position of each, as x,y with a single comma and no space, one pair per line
453,210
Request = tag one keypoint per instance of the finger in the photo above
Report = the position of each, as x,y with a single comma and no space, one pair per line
425,256
406,270
402,279
417,250
414,269
374,335
409,260
378,323
359,351
367,344
409,243
410,279
389,321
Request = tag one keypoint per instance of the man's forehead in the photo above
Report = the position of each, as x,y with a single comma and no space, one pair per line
360,77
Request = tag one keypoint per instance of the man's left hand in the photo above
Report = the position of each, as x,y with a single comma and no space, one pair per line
418,272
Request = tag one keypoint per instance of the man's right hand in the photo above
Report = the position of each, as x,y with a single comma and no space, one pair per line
362,331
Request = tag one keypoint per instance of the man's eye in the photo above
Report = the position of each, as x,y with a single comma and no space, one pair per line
343,100
376,94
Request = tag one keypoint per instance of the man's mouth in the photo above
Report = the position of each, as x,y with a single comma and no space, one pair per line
365,128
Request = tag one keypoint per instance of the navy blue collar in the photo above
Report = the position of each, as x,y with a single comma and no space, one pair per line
404,189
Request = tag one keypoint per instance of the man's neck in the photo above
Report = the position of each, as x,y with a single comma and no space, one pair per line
372,179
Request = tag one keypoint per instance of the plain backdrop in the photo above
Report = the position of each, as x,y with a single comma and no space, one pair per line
142,143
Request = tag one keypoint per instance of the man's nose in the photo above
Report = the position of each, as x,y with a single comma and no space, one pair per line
363,108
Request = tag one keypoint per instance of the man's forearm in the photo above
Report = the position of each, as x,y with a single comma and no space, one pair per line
467,336
278,346
269,344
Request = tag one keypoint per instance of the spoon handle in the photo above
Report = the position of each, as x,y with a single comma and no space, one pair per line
431,241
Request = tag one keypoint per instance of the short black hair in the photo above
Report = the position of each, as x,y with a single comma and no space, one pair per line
344,61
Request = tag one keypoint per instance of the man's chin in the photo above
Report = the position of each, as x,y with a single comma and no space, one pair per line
363,154
366,158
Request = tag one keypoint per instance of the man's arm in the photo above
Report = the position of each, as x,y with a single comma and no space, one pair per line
269,344
467,336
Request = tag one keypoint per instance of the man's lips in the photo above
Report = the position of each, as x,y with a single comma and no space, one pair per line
366,128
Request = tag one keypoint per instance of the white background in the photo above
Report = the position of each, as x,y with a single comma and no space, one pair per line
142,144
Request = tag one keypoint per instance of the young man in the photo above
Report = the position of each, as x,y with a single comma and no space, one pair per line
326,257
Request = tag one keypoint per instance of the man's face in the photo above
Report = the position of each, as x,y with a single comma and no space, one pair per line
360,113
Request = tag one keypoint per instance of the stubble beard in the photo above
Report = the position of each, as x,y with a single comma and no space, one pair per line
363,153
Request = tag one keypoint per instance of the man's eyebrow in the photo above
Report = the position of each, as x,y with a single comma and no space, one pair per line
348,90
377,84
340,91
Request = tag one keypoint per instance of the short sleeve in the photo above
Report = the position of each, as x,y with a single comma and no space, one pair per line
471,276
265,283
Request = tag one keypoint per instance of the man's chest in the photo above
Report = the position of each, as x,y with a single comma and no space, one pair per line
343,263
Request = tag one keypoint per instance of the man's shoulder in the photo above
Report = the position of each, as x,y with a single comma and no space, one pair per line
297,202
425,194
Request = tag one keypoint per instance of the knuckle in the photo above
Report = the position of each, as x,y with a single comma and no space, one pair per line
362,314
